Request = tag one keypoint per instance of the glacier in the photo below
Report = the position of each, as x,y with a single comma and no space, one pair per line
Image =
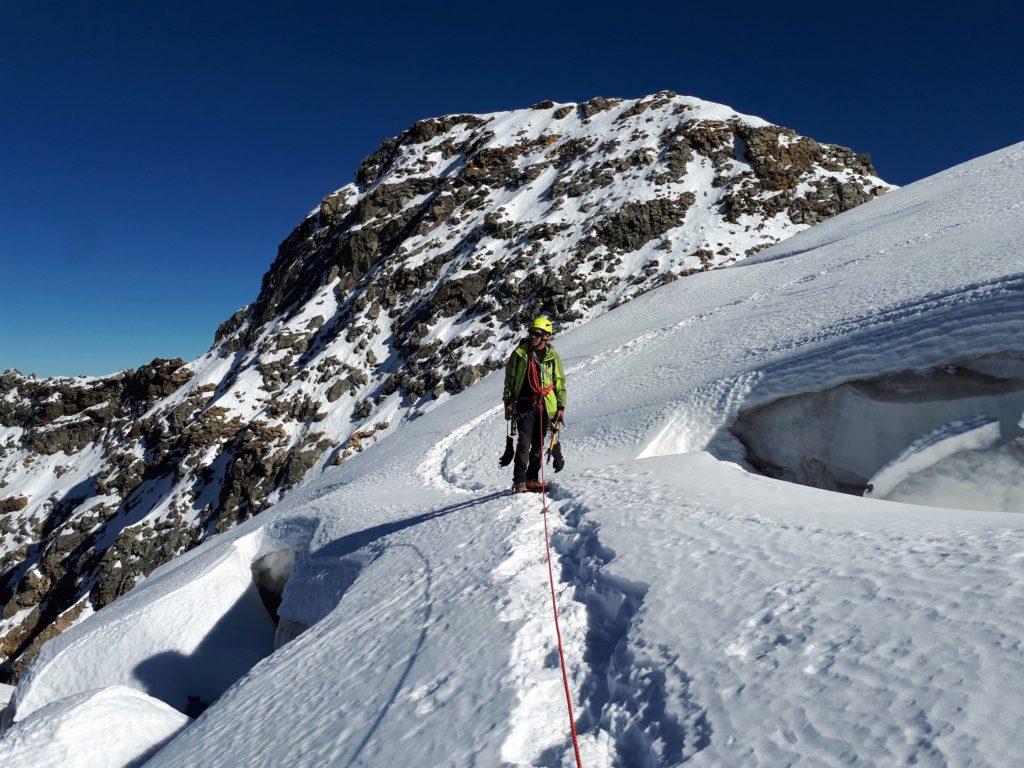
712,615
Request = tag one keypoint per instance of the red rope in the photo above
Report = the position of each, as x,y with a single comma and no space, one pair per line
533,372
554,602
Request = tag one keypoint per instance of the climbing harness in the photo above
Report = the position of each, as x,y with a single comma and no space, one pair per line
551,583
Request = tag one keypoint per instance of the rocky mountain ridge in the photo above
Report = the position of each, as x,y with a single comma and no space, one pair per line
398,290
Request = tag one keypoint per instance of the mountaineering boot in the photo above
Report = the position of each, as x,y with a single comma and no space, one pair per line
534,486
519,488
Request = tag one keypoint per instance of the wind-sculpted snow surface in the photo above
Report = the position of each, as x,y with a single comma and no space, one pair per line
712,616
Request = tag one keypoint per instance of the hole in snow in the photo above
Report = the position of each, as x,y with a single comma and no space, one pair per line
270,573
244,633
949,436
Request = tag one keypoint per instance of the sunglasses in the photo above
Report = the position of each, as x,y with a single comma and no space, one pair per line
538,334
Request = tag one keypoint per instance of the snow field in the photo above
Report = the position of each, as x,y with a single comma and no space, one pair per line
414,639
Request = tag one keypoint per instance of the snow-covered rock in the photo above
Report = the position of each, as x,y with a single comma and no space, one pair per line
114,727
710,614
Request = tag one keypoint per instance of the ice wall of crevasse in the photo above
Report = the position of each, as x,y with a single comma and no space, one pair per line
396,291
992,478
270,575
903,432
973,433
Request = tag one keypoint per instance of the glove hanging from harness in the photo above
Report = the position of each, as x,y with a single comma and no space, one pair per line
555,449
556,456
510,450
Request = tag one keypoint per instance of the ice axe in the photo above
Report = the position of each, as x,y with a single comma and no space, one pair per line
510,450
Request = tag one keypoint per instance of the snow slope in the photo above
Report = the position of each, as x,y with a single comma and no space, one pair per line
710,614
6,691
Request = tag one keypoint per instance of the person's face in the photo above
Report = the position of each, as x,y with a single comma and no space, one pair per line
538,339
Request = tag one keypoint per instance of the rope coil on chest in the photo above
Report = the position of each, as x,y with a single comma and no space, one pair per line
533,372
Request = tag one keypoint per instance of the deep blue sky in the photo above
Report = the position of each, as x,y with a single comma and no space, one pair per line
152,155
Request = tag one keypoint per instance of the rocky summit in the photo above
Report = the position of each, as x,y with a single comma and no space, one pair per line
397,291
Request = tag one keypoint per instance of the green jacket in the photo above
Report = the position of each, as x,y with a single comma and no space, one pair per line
550,372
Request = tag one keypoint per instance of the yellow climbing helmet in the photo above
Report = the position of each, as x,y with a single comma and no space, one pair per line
544,324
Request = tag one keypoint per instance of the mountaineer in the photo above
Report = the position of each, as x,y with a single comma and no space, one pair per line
535,398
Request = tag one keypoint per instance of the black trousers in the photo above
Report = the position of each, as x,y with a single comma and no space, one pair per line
531,427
